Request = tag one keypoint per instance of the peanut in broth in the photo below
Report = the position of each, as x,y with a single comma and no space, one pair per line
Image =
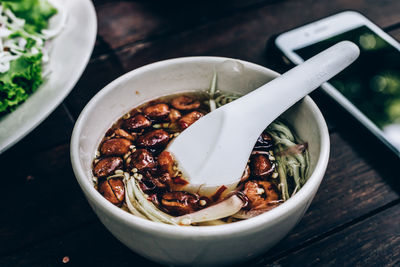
135,145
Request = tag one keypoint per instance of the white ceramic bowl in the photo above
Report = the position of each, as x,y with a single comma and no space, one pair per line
207,245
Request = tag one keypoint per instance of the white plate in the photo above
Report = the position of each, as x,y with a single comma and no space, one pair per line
69,55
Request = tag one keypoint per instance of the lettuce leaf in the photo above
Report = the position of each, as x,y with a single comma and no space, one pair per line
25,73
35,12
23,78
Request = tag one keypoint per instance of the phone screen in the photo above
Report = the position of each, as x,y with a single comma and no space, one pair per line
372,82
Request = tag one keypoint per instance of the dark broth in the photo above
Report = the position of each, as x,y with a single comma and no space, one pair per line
135,145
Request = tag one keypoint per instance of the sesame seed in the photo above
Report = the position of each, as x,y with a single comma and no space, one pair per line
202,202
134,170
176,134
185,221
157,126
127,155
260,191
134,149
132,146
128,160
275,175
136,175
97,153
271,158
126,116
119,172
140,176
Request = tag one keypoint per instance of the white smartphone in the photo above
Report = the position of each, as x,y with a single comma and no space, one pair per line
370,88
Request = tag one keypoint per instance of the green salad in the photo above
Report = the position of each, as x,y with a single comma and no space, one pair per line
23,49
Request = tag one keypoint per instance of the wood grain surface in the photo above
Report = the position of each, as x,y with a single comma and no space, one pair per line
354,218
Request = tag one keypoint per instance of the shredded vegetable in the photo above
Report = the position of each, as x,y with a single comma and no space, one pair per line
140,204
290,165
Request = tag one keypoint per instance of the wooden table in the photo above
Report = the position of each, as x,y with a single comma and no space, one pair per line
354,218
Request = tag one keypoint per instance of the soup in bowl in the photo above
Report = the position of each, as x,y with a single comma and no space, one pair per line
121,194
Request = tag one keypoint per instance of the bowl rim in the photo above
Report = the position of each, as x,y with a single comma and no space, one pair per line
166,230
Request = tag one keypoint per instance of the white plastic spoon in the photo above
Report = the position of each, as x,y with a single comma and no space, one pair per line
214,150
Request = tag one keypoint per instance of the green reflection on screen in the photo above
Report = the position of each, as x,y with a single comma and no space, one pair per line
372,83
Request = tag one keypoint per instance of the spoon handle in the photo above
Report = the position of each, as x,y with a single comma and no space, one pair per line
266,103
214,150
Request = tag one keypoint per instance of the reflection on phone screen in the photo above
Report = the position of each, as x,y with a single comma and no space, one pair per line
372,83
